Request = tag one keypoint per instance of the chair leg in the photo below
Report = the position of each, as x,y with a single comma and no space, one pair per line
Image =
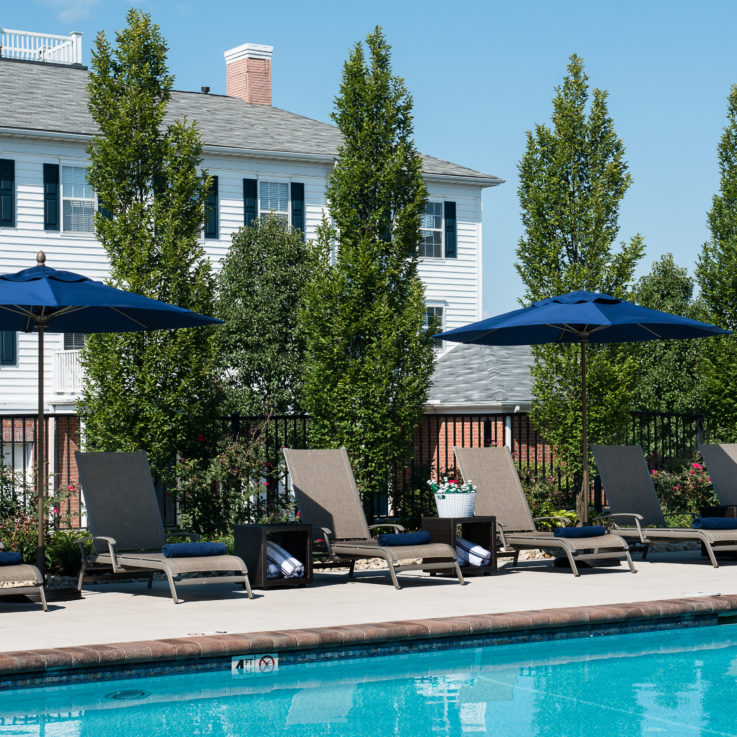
572,563
629,561
42,594
351,568
645,550
247,585
461,580
515,559
80,579
393,574
172,587
710,553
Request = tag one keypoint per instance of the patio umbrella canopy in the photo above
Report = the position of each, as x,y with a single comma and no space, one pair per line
581,317
46,300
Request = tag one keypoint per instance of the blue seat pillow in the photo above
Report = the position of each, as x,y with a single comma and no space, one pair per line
715,523
589,531
10,558
193,550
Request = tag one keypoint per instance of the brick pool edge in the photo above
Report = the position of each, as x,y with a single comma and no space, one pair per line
210,652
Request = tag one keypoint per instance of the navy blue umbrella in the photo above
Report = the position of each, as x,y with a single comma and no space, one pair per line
580,317
47,300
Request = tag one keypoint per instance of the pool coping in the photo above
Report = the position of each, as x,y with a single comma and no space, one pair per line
129,659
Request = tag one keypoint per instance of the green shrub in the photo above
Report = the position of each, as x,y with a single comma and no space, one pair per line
546,499
684,488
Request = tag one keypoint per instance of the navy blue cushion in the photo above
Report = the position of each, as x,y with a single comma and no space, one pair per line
193,550
590,531
421,537
10,558
715,523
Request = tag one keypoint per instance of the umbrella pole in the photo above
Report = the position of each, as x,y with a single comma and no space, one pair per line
582,505
41,456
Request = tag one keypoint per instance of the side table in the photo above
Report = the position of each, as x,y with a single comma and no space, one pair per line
249,543
479,530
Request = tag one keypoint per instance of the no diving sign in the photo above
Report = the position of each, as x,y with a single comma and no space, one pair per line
241,665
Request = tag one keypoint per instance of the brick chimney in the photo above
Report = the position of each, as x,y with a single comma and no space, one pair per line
249,73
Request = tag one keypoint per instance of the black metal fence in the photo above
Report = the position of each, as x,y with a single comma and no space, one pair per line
664,437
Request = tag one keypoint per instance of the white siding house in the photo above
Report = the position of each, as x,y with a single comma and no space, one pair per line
250,146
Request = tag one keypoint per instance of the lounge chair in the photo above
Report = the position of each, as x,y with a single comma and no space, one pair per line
21,578
127,532
328,500
500,494
632,497
721,460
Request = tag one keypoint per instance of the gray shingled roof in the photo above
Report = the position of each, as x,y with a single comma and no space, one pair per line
52,97
481,375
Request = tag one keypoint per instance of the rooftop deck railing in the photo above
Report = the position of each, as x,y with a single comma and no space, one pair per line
48,47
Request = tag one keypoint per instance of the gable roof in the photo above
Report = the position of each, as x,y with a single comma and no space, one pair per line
483,376
52,98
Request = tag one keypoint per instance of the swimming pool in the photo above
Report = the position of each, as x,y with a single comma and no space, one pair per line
675,682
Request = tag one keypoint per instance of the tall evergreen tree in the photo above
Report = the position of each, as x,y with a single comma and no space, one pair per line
717,276
573,177
260,292
669,372
153,391
369,359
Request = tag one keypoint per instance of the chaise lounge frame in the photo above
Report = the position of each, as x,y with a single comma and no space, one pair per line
127,531
22,579
329,500
500,494
631,495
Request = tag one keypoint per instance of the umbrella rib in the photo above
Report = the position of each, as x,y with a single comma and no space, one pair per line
132,319
650,330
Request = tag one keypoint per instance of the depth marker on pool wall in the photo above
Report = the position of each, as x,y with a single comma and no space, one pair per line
251,664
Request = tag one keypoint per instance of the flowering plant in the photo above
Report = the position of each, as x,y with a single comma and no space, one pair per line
451,487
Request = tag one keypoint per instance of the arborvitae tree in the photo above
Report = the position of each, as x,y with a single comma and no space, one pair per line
369,359
717,276
260,291
573,177
669,372
154,391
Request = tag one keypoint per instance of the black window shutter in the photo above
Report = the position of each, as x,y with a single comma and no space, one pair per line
451,231
51,197
250,194
8,348
298,207
7,193
211,217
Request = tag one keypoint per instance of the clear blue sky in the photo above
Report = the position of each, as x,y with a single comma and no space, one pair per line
482,73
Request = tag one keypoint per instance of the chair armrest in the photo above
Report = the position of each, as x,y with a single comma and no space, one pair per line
636,518
193,536
326,535
398,528
562,520
500,530
111,543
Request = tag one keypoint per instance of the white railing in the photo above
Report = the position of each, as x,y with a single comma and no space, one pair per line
31,46
67,372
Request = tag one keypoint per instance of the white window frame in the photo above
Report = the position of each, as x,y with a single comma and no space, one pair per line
62,198
276,180
442,232
439,344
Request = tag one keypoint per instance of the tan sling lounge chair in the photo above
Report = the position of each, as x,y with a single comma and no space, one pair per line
500,494
128,534
721,460
21,578
634,504
328,500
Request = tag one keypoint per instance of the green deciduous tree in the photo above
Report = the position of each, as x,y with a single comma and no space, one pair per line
260,292
369,360
154,391
573,177
717,277
669,372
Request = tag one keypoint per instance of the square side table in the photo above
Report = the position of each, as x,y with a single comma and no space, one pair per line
249,543
479,530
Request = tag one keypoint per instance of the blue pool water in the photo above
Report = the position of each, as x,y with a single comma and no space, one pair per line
671,683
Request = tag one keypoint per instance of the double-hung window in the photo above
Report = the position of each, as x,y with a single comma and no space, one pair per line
73,341
274,197
78,200
431,228
434,322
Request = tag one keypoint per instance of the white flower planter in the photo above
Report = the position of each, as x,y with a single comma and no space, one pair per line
456,505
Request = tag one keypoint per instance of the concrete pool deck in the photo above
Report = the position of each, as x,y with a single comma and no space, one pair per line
129,612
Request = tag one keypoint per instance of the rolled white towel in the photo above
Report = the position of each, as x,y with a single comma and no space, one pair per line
272,570
471,553
287,563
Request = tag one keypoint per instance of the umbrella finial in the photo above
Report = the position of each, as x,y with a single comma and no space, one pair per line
41,258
